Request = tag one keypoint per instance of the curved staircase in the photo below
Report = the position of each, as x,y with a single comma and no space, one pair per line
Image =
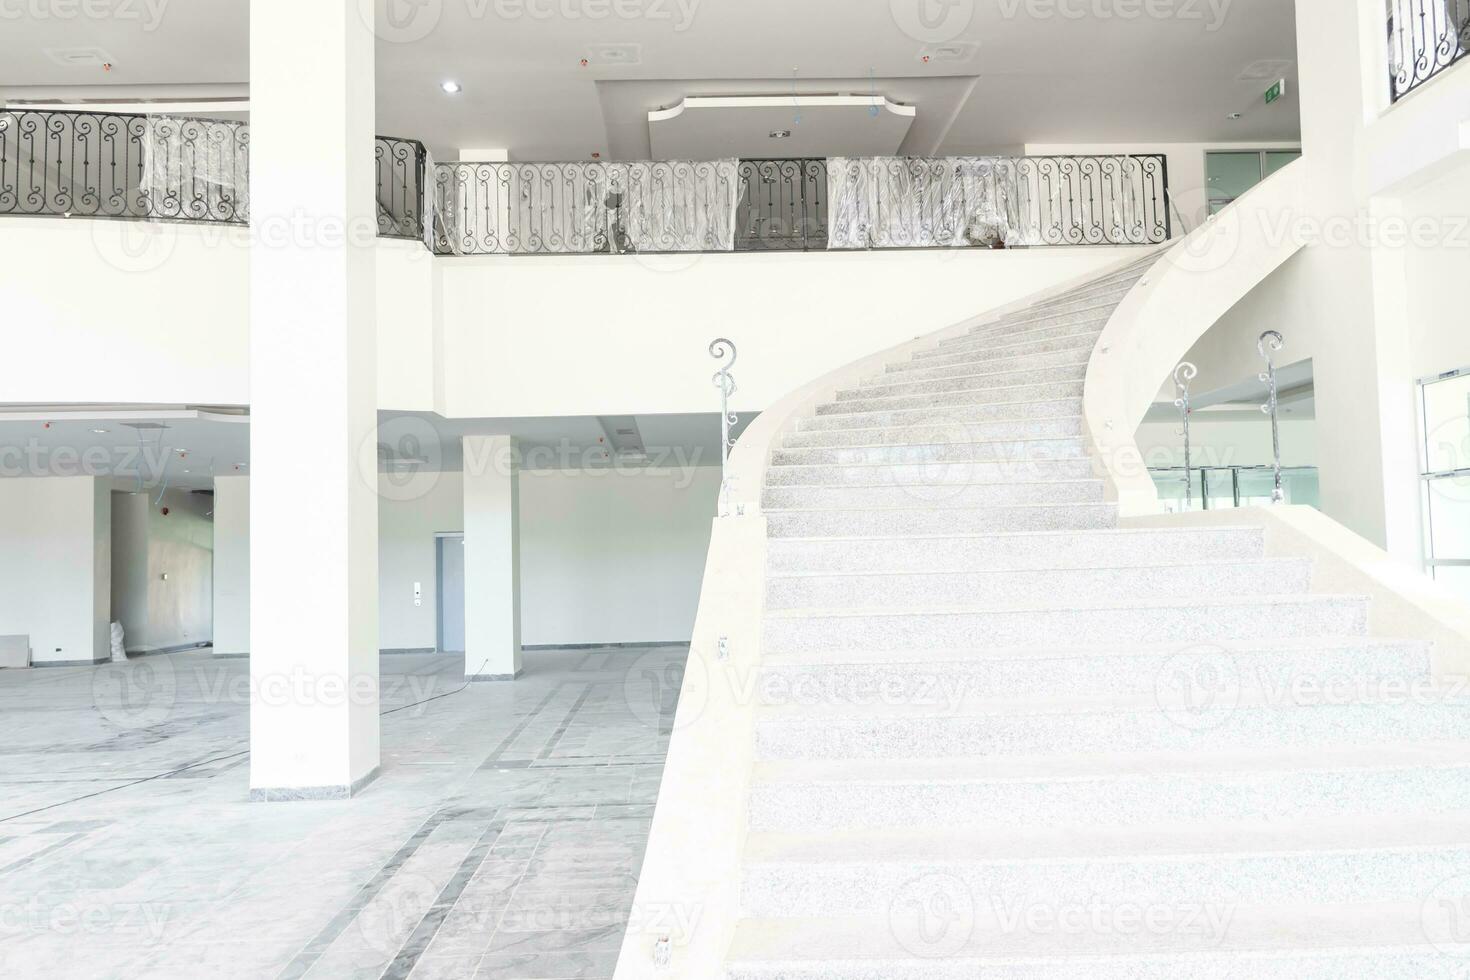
1007,738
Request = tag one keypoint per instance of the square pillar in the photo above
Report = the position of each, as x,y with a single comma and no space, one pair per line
492,558
313,394
231,566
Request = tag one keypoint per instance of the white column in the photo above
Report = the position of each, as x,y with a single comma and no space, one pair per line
492,558
231,566
313,386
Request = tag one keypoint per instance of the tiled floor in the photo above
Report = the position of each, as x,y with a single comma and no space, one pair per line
502,839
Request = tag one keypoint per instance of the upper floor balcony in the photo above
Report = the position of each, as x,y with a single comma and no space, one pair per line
178,168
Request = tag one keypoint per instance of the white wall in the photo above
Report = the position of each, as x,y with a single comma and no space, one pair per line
55,566
610,557
406,529
163,569
231,565
606,557
590,335
164,315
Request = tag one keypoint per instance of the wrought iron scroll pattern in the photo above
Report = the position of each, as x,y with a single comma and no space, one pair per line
1183,375
720,349
1270,343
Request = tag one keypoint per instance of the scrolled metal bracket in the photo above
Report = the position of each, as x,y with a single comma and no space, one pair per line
721,348
1183,375
1270,343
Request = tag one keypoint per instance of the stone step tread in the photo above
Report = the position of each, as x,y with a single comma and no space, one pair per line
934,657
940,707
798,773
1183,562
1349,938
918,464
1086,340
894,401
1110,605
930,444
1000,420
874,385
1117,532
929,509
1355,834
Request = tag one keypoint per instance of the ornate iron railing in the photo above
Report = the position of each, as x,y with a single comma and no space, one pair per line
117,165
801,204
783,205
151,167
913,202
1425,37
154,167
401,167
581,207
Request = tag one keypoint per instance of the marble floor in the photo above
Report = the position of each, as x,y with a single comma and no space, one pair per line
502,839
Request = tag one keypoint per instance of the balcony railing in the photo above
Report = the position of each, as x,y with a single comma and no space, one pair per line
1425,37
153,167
800,204
117,165
402,165
160,168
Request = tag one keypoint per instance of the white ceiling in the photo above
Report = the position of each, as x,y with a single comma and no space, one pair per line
185,447
998,76
779,126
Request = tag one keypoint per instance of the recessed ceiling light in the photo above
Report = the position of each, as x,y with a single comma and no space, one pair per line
451,87
100,432
781,134
1235,115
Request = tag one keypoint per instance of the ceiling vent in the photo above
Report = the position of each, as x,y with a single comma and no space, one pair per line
79,57
608,55
1266,71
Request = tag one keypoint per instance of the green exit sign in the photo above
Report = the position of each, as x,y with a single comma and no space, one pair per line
1275,91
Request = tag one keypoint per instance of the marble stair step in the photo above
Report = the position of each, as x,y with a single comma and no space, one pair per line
1307,862
931,473
1188,679
962,726
943,495
883,388
939,431
996,352
1132,547
989,395
880,589
1001,413
940,520
1013,451
971,344
1031,318
988,364
1230,787
937,931
1215,619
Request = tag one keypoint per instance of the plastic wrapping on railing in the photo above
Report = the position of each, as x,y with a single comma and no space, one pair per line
897,202
521,208
195,168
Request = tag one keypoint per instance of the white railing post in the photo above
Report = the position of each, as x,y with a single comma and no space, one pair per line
719,349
